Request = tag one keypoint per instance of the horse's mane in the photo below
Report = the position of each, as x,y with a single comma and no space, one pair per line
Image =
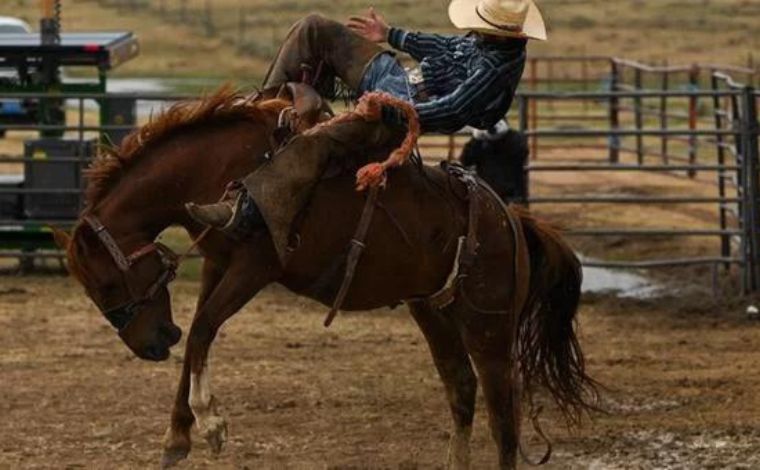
112,163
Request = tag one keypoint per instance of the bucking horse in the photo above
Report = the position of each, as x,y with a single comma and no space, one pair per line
494,290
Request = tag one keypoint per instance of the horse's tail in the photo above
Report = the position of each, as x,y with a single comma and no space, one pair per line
548,350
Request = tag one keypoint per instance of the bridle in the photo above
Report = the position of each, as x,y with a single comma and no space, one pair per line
121,315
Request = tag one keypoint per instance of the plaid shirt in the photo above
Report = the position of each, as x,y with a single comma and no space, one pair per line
471,81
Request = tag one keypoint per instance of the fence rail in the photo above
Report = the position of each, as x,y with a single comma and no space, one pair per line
725,148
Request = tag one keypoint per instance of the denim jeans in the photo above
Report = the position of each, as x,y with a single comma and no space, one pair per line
386,74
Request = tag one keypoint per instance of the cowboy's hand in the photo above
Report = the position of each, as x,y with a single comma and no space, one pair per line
372,27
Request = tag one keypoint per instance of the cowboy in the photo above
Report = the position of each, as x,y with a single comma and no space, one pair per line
461,81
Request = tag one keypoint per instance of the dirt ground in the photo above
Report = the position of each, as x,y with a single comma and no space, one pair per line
683,376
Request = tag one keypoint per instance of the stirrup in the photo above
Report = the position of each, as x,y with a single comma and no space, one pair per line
237,214
246,218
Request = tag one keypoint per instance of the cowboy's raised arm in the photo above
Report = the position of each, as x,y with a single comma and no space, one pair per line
419,45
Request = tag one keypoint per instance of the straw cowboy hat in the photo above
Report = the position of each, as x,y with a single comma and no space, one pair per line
514,18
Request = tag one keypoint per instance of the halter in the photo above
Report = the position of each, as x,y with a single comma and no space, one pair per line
120,316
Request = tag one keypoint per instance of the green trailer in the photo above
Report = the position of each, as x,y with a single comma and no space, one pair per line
41,63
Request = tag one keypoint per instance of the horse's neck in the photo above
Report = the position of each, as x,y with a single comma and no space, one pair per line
189,167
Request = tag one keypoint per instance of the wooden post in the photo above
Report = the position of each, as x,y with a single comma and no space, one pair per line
451,144
47,8
533,108
241,27
208,20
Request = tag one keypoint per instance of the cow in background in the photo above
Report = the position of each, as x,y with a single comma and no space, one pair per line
499,156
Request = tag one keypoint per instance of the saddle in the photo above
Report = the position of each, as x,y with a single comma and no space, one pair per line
307,111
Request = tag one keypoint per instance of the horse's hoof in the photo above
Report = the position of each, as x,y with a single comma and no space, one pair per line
172,457
215,433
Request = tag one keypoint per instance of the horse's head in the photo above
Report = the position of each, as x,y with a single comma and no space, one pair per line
123,271
130,290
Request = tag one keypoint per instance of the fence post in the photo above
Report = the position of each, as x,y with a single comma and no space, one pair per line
638,104
751,67
208,20
585,79
614,112
241,27
664,115
749,137
522,107
725,240
693,115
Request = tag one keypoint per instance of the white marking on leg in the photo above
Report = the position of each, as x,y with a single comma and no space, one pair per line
211,426
200,394
459,449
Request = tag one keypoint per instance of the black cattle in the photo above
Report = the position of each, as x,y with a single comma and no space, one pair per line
499,156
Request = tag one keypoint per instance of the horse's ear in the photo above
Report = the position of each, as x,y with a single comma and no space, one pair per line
62,239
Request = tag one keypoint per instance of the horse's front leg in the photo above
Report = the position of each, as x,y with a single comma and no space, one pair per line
177,440
249,271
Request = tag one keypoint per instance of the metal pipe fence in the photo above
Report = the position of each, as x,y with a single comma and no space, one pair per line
734,138
734,165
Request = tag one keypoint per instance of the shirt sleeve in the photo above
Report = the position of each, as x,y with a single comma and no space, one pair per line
419,45
451,112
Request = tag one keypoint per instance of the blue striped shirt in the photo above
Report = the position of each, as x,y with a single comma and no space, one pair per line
471,81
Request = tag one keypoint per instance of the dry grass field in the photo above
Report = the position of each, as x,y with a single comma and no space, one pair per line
679,31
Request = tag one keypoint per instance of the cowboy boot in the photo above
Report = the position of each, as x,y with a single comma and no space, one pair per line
316,39
235,215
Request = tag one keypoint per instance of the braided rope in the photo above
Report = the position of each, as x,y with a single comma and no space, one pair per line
369,108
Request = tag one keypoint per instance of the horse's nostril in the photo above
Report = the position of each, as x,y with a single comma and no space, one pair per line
172,333
156,353
149,353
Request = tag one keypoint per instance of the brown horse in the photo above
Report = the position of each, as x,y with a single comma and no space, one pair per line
528,275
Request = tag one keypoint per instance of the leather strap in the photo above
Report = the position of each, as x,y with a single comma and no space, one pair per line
355,252
122,262
146,250
467,249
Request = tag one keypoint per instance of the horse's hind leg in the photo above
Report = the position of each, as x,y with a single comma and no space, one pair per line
488,339
456,372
